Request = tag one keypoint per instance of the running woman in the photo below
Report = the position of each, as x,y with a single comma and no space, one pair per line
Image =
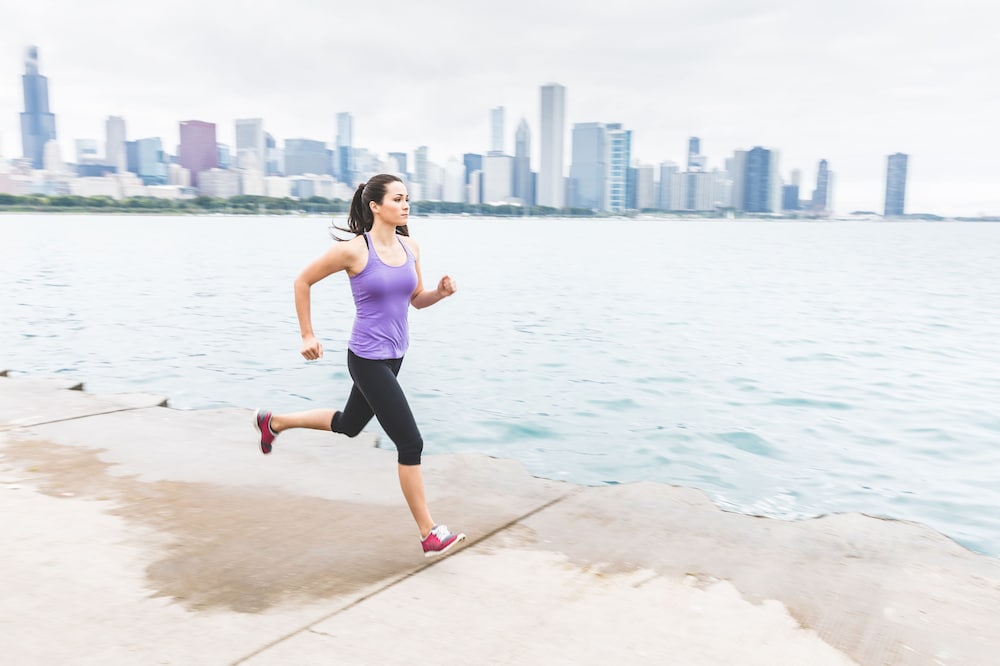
383,264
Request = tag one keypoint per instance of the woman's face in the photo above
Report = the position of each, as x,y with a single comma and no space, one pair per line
395,206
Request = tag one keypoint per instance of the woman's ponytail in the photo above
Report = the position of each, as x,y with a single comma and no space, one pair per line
360,217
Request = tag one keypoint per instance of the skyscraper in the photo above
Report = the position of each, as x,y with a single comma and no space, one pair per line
251,152
821,199
345,146
551,185
420,175
667,172
895,184
696,161
198,150
114,143
619,158
522,164
149,161
401,162
86,150
588,168
473,176
498,177
645,187
761,186
38,125
496,129
305,156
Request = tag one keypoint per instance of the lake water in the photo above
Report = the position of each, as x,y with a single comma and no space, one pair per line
788,369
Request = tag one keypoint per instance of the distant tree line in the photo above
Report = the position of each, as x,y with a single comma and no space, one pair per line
246,204
243,204
257,205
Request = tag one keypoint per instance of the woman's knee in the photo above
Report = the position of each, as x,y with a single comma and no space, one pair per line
337,424
409,454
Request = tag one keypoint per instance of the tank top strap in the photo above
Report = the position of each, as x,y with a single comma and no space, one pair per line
406,248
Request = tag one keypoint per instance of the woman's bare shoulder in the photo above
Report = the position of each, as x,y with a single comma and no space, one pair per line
410,243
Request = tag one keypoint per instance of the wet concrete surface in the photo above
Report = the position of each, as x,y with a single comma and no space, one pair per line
142,534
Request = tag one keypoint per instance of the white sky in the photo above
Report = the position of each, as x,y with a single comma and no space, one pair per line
846,80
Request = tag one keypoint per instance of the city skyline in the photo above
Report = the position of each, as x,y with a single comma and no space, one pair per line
849,84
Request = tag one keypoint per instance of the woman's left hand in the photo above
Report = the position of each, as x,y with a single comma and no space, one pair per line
446,287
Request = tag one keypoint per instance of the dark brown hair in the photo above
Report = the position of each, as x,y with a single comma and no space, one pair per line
360,217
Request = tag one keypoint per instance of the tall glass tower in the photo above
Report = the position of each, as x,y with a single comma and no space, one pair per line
496,129
821,195
551,182
522,163
761,190
345,149
251,152
895,184
38,125
588,169
619,158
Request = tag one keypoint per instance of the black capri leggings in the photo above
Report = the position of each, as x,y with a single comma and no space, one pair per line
376,392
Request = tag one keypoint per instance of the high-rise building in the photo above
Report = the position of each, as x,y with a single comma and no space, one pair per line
695,161
38,124
345,145
645,187
198,150
420,171
736,168
522,164
496,130
667,171
86,151
790,197
115,153
305,156
588,169
251,150
551,180
761,185
275,156
498,178
821,199
150,165
895,184
695,190
473,165
224,157
401,163
52,158
454,181
619,158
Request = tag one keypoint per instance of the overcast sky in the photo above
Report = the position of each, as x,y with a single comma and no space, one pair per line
849,81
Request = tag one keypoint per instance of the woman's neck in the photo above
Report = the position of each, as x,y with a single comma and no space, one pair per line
383,233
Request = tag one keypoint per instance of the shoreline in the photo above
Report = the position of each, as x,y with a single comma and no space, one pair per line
189,531
663,216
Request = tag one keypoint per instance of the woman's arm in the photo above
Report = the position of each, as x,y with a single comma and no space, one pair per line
341,256
420,297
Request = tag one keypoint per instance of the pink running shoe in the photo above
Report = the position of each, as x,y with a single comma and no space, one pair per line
262,422
440,541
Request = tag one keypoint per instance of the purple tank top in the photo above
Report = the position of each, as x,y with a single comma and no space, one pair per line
382,299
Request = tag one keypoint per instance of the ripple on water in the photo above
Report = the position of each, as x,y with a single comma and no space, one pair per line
811,403
614,405
749,442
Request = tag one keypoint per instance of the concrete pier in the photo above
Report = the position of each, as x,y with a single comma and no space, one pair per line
139,534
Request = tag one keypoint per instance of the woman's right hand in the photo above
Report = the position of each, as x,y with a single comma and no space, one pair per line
312,349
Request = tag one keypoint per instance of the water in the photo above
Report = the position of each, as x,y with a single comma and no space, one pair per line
788,369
